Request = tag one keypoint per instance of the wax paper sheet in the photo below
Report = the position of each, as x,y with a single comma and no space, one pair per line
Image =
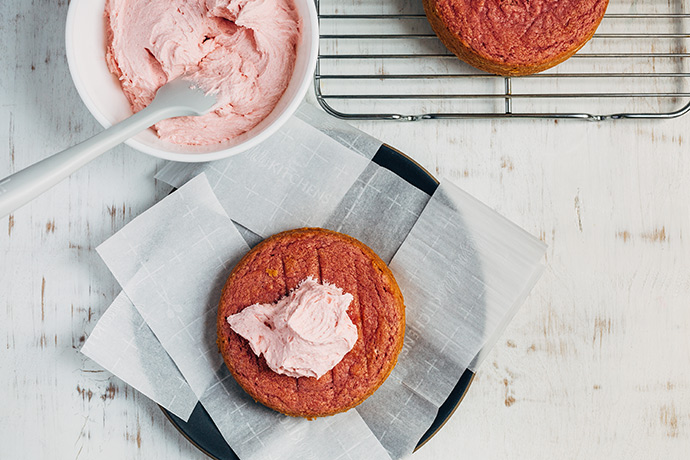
251,238
462,269
352,138
257,432
380,208
123,344
172,262
294,179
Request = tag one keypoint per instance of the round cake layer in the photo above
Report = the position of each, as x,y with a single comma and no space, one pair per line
514,37
275,267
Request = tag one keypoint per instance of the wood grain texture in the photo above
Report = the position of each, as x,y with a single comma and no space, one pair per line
596,364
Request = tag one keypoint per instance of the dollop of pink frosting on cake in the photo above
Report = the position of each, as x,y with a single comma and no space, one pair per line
242,50
304,334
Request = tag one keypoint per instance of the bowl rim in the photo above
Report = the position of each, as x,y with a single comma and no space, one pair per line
288,111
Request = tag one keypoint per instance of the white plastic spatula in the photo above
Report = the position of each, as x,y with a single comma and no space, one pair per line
175,99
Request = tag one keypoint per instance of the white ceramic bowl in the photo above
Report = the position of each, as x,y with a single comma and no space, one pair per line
103,96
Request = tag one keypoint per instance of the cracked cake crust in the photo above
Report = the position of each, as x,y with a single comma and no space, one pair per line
514,37
275,267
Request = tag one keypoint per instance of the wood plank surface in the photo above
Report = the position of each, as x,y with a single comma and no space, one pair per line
596,364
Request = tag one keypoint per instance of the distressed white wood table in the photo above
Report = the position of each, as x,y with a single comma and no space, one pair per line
596,364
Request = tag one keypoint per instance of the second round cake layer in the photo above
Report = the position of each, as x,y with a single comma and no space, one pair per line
515,37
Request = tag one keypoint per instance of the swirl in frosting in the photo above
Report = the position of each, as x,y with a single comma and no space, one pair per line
304,334
242,50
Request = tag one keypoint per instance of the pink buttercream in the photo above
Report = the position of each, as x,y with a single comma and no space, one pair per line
243,50
304,334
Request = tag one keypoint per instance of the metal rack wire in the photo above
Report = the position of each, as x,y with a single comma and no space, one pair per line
382,61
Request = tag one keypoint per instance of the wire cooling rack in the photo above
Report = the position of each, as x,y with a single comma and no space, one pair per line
380,60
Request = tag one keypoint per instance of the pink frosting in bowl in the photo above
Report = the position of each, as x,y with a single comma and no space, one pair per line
304,334
242,50
103,95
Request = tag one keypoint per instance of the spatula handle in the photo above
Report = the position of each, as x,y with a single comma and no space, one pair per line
25,185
